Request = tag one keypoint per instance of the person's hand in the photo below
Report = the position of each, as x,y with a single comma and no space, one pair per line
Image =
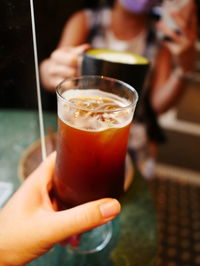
29,225
181,43
62,63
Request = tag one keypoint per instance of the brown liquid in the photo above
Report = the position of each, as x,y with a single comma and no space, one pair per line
90,164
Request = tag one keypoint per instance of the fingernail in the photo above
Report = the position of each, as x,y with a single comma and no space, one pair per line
110,208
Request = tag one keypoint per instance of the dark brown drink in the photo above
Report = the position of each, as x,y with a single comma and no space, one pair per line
93,129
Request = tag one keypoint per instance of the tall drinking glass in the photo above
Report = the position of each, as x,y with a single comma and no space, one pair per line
94,117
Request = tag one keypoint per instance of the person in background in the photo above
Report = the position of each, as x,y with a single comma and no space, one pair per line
129,26
30,226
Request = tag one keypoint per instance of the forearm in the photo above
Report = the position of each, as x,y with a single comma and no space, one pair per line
169,93
170,78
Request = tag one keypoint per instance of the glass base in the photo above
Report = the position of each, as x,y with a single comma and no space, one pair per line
94,240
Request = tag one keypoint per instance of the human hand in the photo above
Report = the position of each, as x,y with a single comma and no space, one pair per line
29,225
181,42
62,63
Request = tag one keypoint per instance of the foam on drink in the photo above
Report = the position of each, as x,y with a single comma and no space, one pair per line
118,57
94,110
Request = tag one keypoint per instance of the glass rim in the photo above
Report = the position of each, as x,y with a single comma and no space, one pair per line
131,88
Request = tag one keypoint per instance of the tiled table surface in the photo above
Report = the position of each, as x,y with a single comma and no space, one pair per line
134,239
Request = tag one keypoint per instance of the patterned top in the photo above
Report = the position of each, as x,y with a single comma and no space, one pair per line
99,20
144,44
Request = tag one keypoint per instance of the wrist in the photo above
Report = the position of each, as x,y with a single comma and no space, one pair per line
179,73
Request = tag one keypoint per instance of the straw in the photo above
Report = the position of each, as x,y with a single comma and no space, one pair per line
41,123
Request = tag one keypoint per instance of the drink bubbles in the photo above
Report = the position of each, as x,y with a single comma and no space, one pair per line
94,110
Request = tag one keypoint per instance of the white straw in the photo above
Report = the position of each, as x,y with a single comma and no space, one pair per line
43,146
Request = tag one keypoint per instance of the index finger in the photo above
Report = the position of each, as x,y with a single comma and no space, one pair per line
45,170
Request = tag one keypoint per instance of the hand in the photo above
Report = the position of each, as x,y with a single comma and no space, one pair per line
29,225
182,43
63,63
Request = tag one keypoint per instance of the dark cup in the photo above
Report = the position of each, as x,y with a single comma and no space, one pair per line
128,67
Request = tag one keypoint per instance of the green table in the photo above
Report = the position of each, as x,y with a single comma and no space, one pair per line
134,239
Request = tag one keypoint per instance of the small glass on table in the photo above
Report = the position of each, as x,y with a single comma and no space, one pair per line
94,117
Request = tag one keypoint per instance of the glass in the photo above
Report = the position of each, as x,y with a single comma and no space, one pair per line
94,117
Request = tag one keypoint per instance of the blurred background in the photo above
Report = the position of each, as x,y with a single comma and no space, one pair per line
17,74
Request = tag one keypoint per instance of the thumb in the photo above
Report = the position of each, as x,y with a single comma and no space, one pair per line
82,218
78,50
